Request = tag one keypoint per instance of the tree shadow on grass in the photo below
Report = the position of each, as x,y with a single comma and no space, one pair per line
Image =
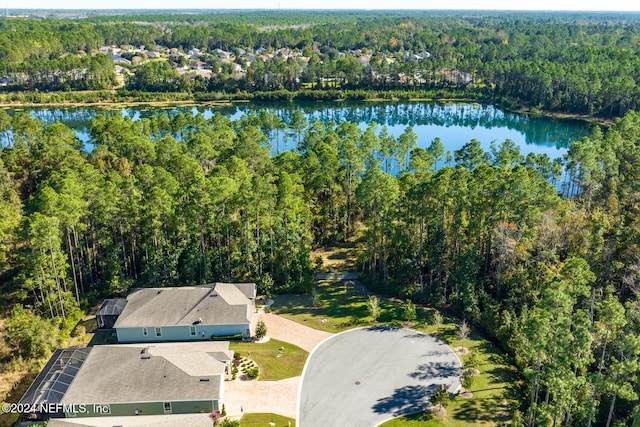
431,370
406,400
483,410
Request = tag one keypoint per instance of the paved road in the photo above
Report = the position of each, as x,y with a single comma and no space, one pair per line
363,377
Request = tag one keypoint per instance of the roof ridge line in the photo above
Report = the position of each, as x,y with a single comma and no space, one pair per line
211,289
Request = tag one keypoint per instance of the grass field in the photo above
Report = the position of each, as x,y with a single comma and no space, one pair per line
274,364
264,420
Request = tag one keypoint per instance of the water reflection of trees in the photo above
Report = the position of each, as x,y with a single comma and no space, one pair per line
536,131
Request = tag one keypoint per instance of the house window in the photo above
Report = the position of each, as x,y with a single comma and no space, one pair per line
158,332
167,407
193,331
145,332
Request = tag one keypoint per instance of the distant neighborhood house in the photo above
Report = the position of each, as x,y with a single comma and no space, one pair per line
187,313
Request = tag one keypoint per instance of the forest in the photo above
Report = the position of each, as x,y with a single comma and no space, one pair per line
540,254
565,62
180,199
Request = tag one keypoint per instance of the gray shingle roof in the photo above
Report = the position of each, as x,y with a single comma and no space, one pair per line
149,373
214,304
183,420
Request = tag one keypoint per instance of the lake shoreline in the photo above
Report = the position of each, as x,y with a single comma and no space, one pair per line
229,100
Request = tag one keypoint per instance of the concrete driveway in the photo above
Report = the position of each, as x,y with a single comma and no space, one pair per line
363,377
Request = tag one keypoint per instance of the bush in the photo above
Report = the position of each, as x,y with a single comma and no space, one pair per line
467,379
441,397
409,311
374,307
236,337
234,372
472,360
253,372
229,423
79,331
463,330
261,329
436,319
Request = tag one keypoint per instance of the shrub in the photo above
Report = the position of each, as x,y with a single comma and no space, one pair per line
463,330
472,360
79,331
261,329
409,311
467,379
236,337
373,306
436,319
440,397
253,372
234,372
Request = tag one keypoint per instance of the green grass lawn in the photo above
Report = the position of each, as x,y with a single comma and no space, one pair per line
263,420
416,420
274,364
340,307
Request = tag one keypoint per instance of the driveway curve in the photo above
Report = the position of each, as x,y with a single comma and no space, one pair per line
292,332
362,377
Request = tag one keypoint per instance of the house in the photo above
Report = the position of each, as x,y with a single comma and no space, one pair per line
178,420
194,54
108,312
131,379
198,65
222,54
187,313
117,59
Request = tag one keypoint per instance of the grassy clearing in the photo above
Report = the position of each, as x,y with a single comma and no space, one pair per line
339,305
263,420
342,305
274,364
332,259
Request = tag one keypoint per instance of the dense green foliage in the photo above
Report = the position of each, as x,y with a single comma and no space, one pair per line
179,199
571,62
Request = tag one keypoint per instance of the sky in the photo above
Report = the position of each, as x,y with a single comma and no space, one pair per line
576,5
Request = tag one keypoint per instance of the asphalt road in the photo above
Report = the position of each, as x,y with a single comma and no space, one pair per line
363,377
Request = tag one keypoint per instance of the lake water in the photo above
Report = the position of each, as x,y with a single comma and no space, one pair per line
454,123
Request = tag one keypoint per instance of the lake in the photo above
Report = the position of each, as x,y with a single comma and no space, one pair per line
454,123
